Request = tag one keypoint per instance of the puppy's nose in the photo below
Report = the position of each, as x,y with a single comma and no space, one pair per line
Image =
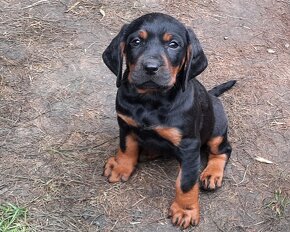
151,67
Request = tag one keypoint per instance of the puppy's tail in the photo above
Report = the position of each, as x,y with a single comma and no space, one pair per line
220,89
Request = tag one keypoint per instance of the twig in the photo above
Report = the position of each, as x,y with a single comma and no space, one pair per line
35,4
72,7
157,220
138,201
243,176
114,225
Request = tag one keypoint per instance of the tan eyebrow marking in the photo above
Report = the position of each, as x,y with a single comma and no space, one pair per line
167,37
143,34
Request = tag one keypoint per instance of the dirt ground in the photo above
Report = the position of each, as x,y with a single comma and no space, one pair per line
58,124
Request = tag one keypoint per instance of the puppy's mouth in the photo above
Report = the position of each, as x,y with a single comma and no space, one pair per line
152,83
148,85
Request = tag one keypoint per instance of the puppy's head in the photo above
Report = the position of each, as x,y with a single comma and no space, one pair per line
159,51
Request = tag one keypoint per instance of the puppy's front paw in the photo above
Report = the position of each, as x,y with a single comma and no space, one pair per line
184,217
211,179
117,170
212,176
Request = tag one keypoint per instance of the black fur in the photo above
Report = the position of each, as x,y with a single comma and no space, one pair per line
220,89
158,98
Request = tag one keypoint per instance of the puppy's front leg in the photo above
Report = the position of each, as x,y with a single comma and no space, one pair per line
185,207
120,167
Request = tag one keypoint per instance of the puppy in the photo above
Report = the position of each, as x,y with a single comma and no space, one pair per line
162,108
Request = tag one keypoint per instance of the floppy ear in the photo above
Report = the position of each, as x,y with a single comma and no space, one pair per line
196,60
113,55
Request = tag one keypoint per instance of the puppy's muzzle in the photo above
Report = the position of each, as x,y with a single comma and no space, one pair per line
151,66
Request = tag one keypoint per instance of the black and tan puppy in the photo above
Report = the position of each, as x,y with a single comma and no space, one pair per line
162,108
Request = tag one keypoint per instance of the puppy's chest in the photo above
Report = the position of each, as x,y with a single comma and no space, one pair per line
152,124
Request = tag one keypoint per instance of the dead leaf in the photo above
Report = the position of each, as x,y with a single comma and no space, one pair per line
263,160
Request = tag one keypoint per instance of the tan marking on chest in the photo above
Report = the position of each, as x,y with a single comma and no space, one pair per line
130,121
169,133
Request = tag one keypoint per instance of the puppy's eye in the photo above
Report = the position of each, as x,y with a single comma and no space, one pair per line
135,42
173,44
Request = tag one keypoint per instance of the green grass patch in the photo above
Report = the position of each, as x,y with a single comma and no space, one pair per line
12,218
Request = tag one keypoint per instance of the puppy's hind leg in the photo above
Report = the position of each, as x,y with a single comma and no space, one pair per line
219,150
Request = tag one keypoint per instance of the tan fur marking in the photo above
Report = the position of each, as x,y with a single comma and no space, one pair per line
214,144
171,134
143,34
146,91
182,63
123,164
167,37
212,175
185,208
173,70
188,56
130,121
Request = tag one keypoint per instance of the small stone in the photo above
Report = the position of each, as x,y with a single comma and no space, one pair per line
271,51
226,37
286,45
